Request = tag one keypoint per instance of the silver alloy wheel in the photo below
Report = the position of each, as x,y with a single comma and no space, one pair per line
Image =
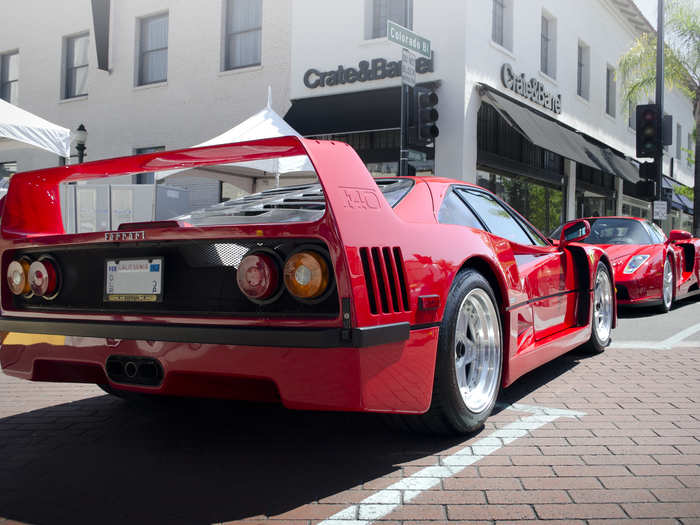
602,306
668,284
477,350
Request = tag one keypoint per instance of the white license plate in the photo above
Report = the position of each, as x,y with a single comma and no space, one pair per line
134,280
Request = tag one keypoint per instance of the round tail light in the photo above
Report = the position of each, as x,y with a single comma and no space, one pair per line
258,276
43,278
18,277
306,275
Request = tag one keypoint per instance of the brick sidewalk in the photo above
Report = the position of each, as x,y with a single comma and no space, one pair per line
71,454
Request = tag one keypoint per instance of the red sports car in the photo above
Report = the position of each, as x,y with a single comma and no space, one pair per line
650,269
416,296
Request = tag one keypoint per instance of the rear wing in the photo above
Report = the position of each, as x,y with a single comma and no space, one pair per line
32,204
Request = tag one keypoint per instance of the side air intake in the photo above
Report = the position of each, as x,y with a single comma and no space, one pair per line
385,279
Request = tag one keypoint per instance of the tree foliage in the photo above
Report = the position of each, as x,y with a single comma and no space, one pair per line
637,67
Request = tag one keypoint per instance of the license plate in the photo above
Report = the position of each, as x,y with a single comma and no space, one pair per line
134,280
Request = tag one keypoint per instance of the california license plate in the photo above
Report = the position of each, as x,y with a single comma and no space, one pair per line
134,280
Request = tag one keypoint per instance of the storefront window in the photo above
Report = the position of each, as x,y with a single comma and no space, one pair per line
538,203
591,204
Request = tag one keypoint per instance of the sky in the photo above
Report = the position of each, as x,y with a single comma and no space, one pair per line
648,9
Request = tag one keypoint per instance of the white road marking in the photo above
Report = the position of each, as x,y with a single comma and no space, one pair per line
385,501
666,344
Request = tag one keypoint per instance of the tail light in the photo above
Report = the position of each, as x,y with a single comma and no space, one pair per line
18,277
258,276
306,274
43,278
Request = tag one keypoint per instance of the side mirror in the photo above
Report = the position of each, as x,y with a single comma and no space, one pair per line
574,231
678,235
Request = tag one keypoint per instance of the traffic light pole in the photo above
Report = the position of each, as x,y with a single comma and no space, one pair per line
659,158
403,155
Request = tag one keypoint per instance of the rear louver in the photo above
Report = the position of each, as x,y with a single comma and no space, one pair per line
385,279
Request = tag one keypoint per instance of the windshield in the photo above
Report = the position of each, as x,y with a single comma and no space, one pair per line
614,231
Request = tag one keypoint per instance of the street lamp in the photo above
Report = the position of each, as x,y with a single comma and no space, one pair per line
80,141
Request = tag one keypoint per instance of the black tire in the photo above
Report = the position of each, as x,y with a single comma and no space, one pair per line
665,307
599,341
448,413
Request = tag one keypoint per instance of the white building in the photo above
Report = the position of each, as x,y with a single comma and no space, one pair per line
171,82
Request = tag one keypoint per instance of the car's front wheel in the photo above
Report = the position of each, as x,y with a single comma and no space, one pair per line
469,360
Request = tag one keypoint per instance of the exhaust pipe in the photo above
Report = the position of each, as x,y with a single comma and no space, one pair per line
134,370
130,369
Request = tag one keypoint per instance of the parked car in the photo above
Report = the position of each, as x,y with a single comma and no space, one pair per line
650,268
416,296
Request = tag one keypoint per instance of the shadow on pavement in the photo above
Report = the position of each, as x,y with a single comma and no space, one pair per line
102,460
649,311
105,461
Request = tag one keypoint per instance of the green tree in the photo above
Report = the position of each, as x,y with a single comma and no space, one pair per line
681,68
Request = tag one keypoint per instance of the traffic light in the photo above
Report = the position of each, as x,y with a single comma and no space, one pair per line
648,131
425,99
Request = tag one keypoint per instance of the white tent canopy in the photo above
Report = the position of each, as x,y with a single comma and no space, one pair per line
263,125
20,128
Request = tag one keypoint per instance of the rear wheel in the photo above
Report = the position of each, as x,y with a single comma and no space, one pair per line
667,286
601,323
469,360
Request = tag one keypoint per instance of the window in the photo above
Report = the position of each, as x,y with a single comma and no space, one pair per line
497,218
243,39
454,211
153,50
548,50
583,70
399,11
632,118
679,134
76,66
146,178
610,91
9,77
502,23
690,149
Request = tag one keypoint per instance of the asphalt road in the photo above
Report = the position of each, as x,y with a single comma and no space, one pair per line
645,327
585,439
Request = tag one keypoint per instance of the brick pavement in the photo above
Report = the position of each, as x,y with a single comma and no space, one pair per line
69,453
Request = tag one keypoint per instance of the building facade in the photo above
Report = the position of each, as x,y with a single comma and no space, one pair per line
529,102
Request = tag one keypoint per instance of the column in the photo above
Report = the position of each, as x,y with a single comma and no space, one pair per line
619,190
570,174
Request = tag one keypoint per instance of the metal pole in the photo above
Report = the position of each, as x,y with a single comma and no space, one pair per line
659,159
403,155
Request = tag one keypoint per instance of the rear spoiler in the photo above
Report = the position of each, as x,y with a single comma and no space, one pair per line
32,204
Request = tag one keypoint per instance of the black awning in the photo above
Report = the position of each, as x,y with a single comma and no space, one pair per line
551,135
678,201
369,110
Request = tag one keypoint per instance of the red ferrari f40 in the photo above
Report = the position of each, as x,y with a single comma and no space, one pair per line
418,296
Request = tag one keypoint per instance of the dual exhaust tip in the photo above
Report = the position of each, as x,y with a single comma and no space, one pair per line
134,370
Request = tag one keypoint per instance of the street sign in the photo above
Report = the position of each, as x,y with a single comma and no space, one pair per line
408,68
407,38
660,210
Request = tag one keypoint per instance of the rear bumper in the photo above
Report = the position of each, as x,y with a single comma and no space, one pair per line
286,337
389,377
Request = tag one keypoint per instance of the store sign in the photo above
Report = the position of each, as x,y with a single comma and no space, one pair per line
366,70
531,89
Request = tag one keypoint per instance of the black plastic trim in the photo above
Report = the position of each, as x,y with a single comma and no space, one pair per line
225,335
